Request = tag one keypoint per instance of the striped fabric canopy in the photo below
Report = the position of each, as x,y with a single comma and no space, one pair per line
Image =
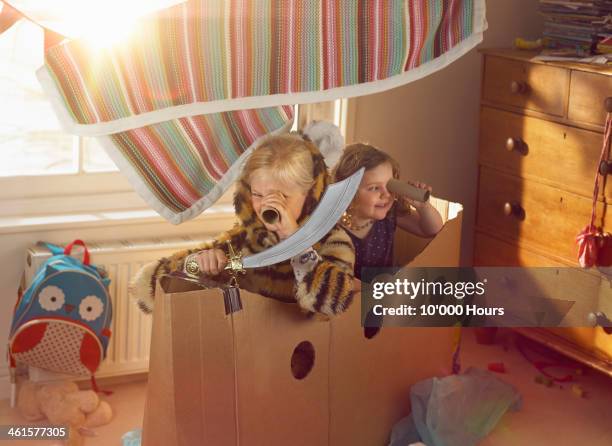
180,104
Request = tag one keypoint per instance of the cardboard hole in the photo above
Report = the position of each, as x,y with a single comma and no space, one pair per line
371,325
302,360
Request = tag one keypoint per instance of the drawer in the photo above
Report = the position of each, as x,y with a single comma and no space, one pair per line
587,94
551,217
541,88
562,156
490,251
587,289
592,340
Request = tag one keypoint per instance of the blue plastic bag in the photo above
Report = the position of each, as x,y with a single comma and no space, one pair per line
404,433
132,438
460,410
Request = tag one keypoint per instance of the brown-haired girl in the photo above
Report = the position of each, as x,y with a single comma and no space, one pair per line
372,217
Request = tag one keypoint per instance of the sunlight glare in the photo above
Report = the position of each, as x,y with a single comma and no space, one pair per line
101,23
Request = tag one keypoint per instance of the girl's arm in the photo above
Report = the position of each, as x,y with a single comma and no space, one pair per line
324,277
142,286
425,222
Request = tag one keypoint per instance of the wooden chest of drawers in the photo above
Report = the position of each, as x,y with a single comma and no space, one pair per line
541,132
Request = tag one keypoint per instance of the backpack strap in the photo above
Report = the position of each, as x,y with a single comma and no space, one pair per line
55,250
68,250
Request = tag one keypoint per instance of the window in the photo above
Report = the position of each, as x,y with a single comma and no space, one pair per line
30,135
37,158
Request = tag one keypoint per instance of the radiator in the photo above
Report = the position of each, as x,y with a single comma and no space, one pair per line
128,350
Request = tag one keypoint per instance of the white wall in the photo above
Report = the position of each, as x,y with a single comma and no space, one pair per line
431,126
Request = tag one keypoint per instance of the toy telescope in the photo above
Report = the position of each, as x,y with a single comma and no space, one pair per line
398,187
270,215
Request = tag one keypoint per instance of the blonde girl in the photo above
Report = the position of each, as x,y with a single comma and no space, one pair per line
286,173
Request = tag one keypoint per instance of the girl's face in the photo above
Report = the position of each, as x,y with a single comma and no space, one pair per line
373,200
263,183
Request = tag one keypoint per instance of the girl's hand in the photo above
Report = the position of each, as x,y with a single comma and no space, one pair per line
211,261
414,203
286,224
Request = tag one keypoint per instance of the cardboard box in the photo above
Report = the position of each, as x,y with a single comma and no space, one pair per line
229,380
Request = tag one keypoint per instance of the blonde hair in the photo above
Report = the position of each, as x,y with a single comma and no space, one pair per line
358,155
288,158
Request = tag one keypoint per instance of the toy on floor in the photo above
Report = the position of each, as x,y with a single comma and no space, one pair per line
544,380
497,367
578,391
63,404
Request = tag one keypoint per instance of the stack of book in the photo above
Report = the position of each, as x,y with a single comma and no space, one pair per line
581,26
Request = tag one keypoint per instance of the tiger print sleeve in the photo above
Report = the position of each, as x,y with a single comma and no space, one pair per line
326,286
143,283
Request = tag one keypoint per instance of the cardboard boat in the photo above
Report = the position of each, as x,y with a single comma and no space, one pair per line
269,375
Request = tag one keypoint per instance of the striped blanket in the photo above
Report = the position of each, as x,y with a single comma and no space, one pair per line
180,104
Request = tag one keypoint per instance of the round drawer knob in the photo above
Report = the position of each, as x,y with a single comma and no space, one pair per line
516,145
514,209
600,319
518,87
605,167
608,104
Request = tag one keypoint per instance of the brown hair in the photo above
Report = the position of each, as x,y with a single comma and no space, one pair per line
360,155
288,158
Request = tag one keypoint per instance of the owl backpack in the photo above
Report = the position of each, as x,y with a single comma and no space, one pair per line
62,320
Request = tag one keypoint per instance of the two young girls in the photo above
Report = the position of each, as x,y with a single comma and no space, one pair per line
288,173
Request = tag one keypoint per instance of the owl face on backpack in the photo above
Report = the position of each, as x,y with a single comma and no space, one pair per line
60,298
62,321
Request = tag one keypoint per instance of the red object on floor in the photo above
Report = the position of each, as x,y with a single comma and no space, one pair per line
497,367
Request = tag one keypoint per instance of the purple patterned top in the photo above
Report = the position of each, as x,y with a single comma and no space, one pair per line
376,248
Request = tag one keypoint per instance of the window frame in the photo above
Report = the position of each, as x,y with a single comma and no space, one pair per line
31,195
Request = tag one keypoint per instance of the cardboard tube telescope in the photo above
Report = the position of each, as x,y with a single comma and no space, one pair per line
270,215
398,187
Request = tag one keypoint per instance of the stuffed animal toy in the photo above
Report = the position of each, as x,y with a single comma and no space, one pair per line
63,404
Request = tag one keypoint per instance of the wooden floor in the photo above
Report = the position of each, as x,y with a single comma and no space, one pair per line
549,415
